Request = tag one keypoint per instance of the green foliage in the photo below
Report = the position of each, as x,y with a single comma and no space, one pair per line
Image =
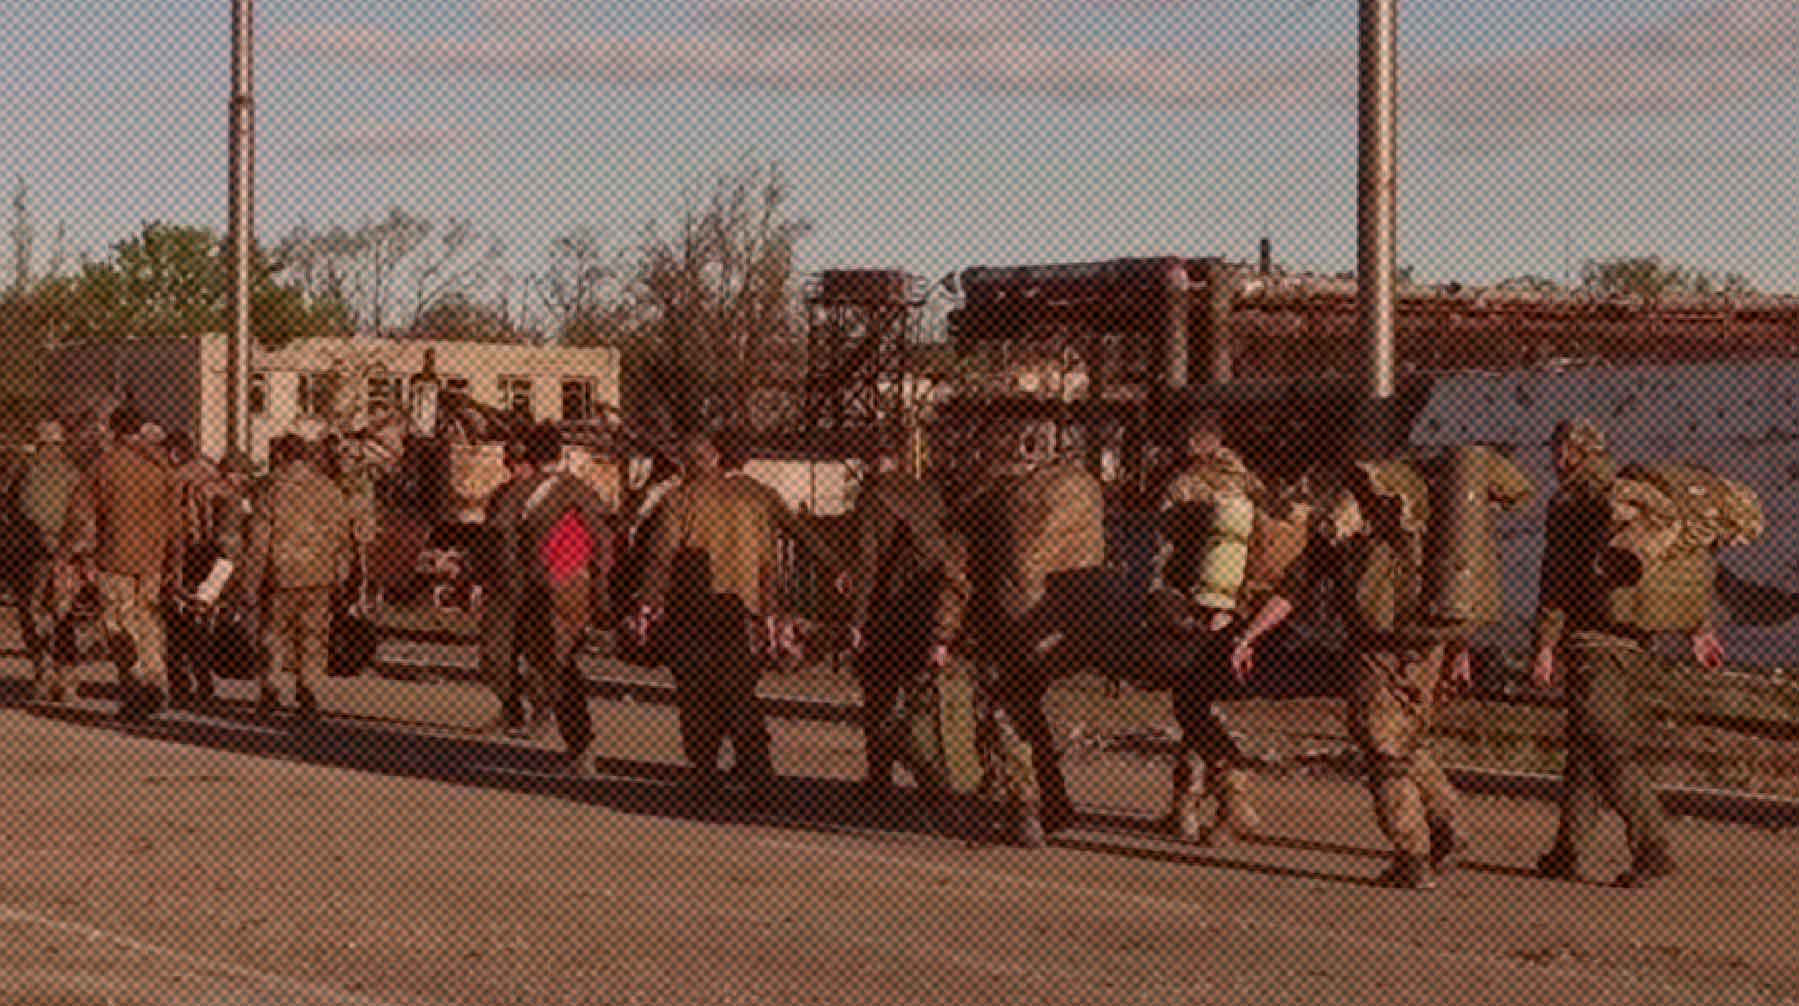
171,280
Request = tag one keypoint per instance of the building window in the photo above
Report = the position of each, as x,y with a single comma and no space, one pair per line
456,385
577,400
515,394
316,394
384,388
259,393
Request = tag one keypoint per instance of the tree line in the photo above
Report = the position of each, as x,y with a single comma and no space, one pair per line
702,306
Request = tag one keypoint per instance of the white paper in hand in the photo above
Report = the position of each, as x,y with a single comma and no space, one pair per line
211,588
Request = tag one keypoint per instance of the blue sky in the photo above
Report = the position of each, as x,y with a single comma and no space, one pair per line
938,134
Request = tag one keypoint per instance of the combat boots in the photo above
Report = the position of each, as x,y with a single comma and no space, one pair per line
1410,873
1237,816
1647,867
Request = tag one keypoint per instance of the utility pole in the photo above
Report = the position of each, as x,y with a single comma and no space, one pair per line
243,220
1376,216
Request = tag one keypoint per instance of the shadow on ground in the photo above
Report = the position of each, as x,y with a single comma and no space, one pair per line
400,749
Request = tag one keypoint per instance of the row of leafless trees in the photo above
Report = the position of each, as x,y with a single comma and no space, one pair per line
702,306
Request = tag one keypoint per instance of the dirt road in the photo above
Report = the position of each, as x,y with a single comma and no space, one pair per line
391,857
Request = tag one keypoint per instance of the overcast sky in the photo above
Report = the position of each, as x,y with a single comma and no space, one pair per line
938,134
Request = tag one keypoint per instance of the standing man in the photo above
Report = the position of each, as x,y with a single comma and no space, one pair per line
1201,622
125,520
301,547
552,538
710,578
1604,666
910,589
218,512
42,493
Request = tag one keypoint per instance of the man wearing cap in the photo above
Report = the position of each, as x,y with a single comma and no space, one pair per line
42,492
125,518
1603,667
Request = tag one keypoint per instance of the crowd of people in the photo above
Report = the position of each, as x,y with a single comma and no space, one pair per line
966,605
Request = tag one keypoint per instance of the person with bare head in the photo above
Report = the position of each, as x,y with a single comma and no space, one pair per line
1207,507
709,586
1035,528
126,520
910,590
302,544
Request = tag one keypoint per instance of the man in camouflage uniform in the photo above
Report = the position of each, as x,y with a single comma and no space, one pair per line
709,587
1368,559
41,494
1604,668
1208,756
301,547
1036,540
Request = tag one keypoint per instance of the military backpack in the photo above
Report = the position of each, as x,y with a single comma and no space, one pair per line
1658,570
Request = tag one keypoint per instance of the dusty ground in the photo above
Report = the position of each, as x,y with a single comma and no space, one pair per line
392,857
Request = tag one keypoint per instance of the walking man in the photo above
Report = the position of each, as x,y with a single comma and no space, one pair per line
709,582
125,520
910,590
1212,484
552,539
1604,663
42,494
302,545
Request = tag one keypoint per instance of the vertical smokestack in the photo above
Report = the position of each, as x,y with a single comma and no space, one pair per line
1212,343
1265,257
1175,350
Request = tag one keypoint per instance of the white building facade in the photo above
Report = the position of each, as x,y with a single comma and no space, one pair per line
182,383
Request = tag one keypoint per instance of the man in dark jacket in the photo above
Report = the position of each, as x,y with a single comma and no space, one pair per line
710,583
1604,669
552,538
910,589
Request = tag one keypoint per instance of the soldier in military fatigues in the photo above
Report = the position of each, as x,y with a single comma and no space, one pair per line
1604,667
1370,567
1036,539
910,589
302,545
1208,757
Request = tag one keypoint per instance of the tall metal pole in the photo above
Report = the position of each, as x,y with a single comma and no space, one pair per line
1377,182
243,220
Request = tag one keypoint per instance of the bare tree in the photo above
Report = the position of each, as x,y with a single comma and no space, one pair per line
715,300
362,266
461,263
